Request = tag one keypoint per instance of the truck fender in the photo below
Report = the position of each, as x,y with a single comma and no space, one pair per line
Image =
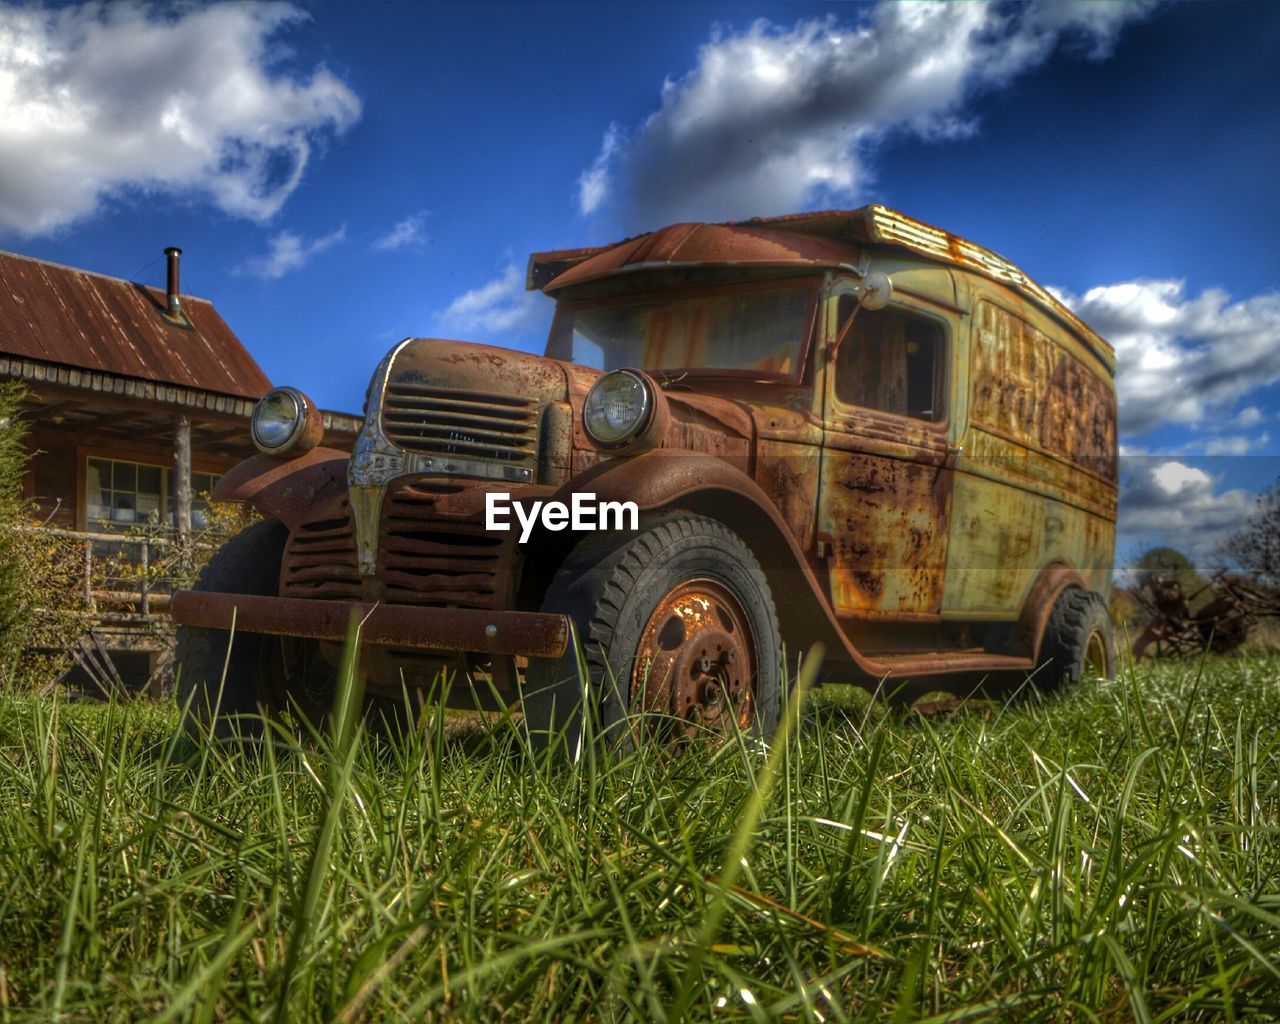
707,485
1052,580
285,489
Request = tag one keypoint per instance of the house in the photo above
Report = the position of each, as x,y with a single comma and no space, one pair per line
138,399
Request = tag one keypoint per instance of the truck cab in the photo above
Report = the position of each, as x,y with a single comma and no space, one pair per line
847,428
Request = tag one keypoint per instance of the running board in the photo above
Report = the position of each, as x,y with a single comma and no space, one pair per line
939,663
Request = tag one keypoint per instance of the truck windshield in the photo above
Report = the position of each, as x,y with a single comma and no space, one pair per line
760,331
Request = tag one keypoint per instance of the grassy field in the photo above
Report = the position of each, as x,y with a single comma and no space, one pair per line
1111,854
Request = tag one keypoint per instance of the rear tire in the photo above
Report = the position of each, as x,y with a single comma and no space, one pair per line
1078,642
678,635
226,695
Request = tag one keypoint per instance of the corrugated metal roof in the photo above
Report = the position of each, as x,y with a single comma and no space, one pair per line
73,317
827,238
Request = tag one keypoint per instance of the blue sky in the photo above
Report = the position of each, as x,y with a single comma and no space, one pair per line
341,175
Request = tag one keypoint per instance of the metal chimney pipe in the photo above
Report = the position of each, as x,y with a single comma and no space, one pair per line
171,290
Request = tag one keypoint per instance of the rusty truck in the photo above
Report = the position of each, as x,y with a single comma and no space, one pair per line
844,427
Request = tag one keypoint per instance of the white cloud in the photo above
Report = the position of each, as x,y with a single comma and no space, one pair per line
1235,444
774,120
289,251
500,307
1249,416
102,100
1182,359
405,234
1168,503
593,183
1175,478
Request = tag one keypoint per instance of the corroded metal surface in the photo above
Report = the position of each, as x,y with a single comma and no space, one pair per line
534,634
695,662
829,239
1030,388
461,423
924,537
432,549
1036,483
697,245
1235,605
62,315
288,489
885,507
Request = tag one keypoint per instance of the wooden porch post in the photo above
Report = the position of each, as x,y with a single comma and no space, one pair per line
182,475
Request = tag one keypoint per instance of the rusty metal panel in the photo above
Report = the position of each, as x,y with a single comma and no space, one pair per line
1027,387
320,558
533,634
788,474
432,548
884,515
697,245
1003,537
461,422
72,317
1036,482
829,238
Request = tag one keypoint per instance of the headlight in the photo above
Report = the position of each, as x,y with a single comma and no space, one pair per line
617,408
286,421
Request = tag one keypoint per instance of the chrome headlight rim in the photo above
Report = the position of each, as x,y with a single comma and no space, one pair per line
640,422
303,410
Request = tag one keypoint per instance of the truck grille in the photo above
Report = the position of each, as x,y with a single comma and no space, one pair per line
426,555
426,558
465,424
321,560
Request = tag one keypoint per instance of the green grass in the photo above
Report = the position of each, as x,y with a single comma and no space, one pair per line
1112,854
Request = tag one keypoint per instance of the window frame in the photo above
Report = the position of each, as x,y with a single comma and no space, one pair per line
97,525
838,407
801,375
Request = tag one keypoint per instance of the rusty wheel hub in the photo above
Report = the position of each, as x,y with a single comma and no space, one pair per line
695,662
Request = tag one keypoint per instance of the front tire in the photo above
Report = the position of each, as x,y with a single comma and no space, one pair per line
1078,642
678,635
227,694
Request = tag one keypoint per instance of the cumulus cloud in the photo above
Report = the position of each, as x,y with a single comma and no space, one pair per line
1165,502
410,233
1235,444
500,308
289,251
593,183
1249,416
774,119
1184,359
102,100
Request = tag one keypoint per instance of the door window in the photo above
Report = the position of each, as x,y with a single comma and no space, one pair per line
892,361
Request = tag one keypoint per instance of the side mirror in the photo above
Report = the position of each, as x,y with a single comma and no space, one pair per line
875,291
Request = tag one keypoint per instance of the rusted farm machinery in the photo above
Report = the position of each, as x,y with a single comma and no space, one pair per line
1236,605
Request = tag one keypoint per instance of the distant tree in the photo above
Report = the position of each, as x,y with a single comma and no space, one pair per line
1169,563
1255,547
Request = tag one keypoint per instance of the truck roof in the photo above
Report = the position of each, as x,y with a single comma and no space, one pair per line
823,239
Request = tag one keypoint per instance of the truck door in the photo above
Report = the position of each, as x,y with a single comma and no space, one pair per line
885,490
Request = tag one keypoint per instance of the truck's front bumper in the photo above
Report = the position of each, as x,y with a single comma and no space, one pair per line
533,634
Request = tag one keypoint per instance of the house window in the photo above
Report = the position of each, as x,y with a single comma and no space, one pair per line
121,495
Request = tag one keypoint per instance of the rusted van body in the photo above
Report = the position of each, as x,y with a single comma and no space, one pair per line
909,443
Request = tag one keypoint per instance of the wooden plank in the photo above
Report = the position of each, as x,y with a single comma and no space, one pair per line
182,475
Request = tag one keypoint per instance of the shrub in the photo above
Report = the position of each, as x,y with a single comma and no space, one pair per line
42,607
14,514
